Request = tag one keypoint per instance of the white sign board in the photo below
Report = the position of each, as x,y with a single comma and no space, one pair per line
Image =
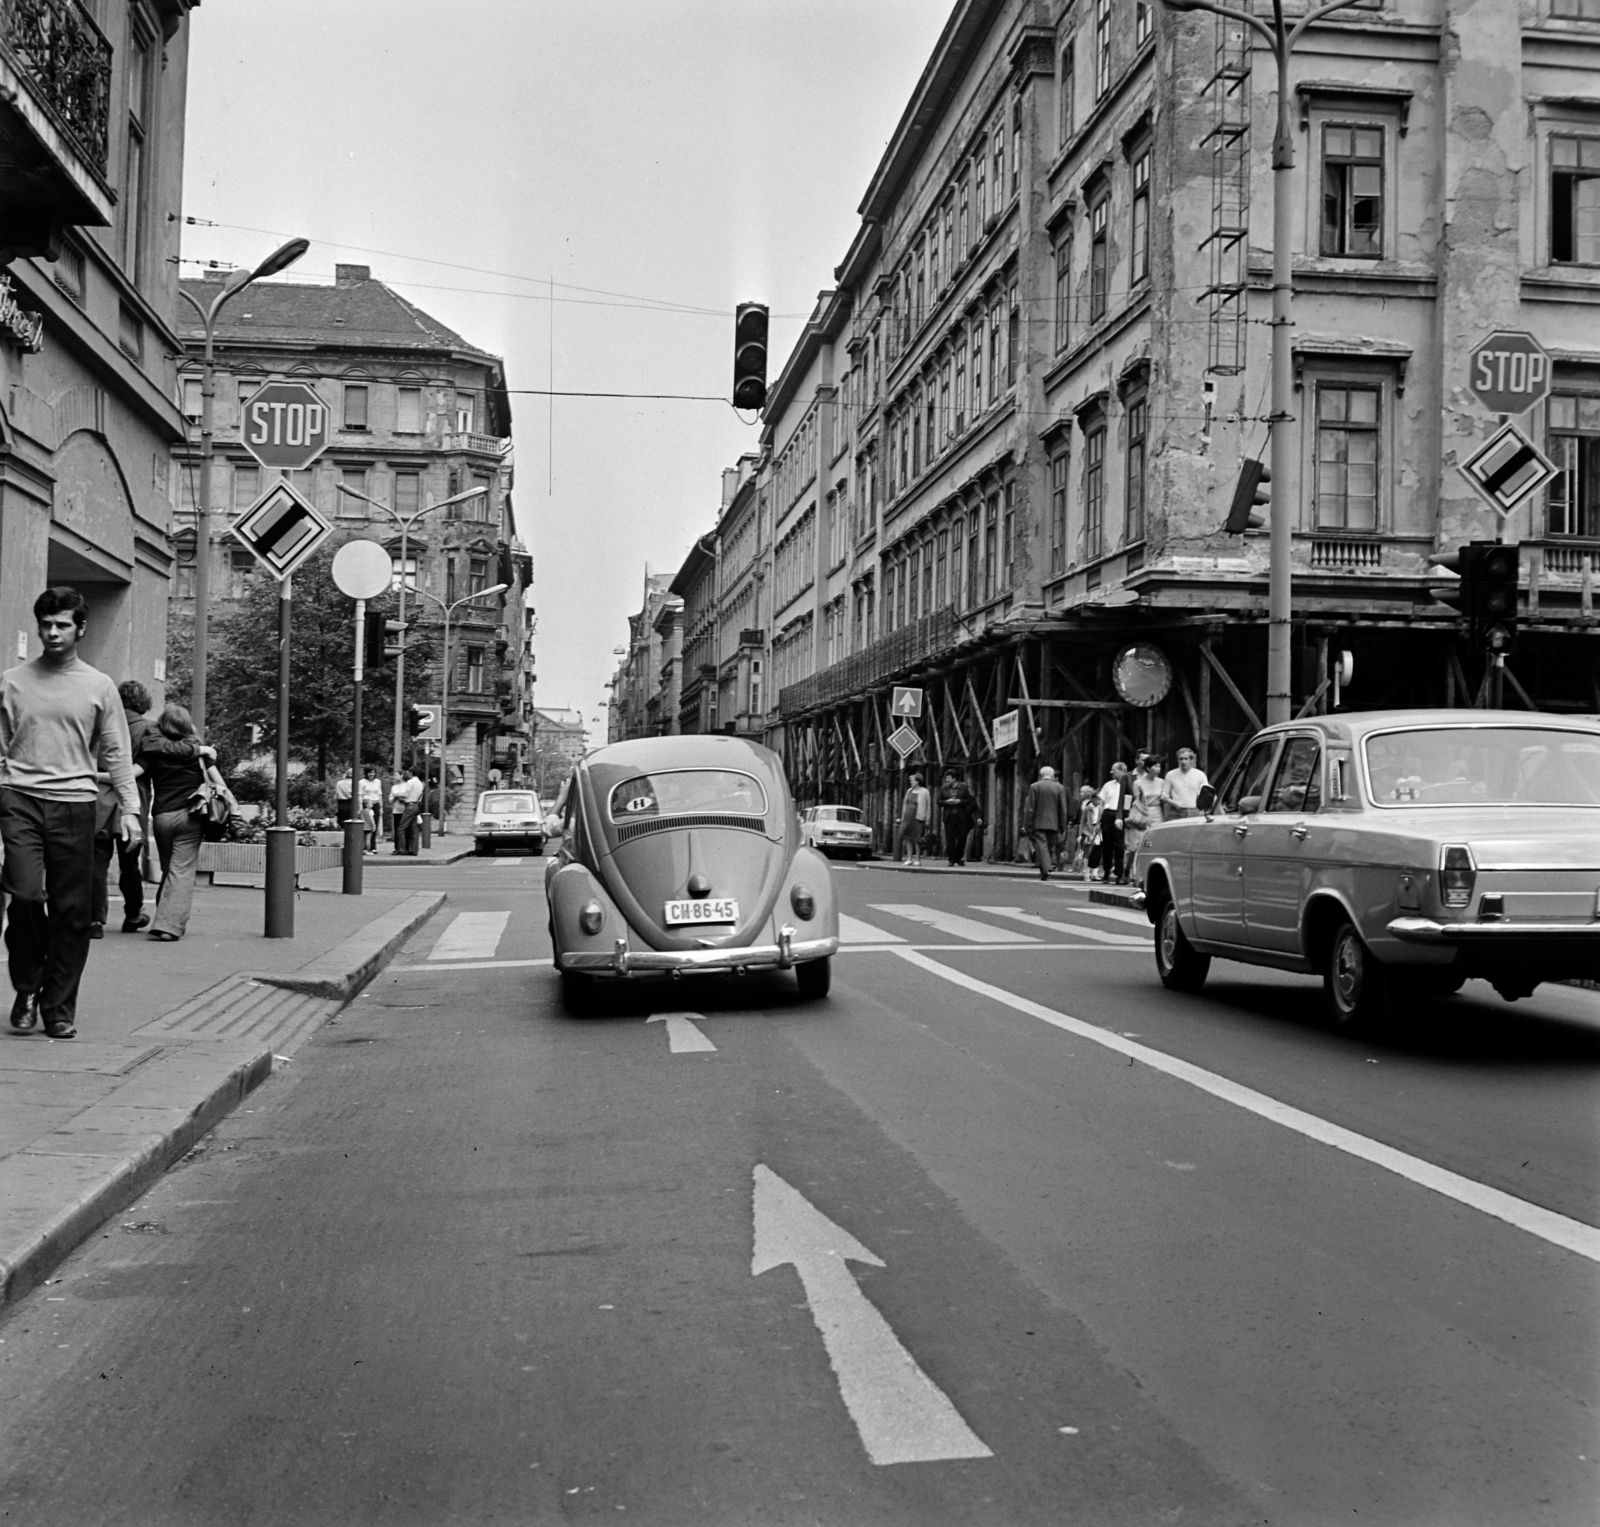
281,530
904,740
1508,468
432,722
906,702
1005,730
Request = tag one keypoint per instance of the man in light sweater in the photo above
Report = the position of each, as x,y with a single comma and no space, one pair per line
61,723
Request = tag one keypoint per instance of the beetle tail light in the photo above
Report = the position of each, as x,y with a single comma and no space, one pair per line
1457,874
803,902
591,917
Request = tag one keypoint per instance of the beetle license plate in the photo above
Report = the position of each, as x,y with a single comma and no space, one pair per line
722,910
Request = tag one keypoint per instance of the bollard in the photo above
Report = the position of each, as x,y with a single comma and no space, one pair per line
427,828
280,882
355,844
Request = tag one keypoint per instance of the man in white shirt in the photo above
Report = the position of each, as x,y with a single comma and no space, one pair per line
1116,795
1181,787
406,800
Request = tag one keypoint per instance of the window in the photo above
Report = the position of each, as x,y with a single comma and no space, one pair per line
450,580
477,574
1064,96
1013,333
130,332
930,423
406,570
132,201
1063,293
1094,492
355,406
1016,146
1102,47
1575,201
977,366
997,165
192,401
481,508
1138,421
407,492
963,228
408,411
247,386
1008,532
941,569
1298,786
474,670
1347,457
900,593
1248,783
246,485
465,404
183,580
916,436
933,259
949,238
994,352
241,568
955,562
1352,191
912,604
1139,246
1572,501
1060,466
1577,10
1099,258
945,425
982,195
991,546
1141,22
972,558
354,478
961,383
922,281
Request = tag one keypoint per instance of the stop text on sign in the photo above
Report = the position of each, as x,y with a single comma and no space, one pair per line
1513,371
285,423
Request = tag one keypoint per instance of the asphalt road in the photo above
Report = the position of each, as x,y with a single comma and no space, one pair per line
1001,1233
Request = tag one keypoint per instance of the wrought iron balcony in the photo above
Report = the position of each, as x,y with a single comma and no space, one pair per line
67,60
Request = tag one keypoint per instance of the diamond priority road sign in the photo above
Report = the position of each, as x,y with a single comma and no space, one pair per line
1508,468
1509,372
904,740
286,425
281,530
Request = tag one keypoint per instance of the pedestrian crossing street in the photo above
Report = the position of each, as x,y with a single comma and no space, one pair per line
476,937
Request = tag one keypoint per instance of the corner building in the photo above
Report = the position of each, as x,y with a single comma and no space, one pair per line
1003,450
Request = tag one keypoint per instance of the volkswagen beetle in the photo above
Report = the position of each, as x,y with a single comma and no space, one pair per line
682,856
1397,854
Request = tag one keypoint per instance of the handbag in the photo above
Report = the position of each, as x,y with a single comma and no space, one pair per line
214,805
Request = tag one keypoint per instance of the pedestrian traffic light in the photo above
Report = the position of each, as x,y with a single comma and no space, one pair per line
372,638
1494,624
750,355
1249,493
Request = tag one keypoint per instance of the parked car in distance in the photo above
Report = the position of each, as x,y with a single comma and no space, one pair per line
508,818
1395,853
836,830
682,856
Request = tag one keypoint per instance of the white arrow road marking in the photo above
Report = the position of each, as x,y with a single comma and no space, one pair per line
1034,921
471,936
1546,1224
901,1414
683,1038
853,931
949,922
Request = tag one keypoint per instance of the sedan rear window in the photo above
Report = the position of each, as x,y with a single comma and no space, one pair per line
687,790
1484,766
838,814
508,806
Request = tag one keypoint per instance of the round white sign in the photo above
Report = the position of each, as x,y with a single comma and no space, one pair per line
362,569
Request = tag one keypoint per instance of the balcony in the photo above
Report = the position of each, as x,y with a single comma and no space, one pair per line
478,445
55,92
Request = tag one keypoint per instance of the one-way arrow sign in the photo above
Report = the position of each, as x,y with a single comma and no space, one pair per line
901,1414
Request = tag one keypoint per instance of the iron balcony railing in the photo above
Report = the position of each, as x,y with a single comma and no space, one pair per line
58,46
899,650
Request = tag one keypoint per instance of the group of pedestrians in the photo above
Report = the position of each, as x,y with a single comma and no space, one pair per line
81,765
405,806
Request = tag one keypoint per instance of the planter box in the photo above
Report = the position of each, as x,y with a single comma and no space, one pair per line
251,859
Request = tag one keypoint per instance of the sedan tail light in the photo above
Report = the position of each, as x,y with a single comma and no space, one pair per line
1457,874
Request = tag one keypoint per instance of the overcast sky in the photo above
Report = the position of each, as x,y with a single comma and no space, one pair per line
689,153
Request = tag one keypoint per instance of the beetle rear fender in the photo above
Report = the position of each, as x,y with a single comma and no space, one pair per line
569,887
809,868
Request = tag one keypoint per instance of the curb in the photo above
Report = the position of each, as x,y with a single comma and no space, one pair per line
1114,898
26,1265
347,967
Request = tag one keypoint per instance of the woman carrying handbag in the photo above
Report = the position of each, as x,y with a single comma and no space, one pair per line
182,787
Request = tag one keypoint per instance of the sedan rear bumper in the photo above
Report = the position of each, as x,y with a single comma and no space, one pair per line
623,961
1424,930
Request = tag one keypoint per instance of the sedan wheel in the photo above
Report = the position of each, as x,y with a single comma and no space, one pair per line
1353,985
1180,967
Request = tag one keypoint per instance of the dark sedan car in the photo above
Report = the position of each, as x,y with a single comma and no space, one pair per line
681,856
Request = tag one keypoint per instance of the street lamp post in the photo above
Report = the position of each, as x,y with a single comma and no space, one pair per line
279,259
444,694
1281,38
405,522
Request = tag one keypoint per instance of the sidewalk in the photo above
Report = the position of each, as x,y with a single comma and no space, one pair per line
1111,895
171,1037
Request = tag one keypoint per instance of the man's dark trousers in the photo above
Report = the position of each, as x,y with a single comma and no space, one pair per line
407,833
1046,849
49,880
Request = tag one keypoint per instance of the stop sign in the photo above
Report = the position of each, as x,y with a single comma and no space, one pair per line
1509,372
285,425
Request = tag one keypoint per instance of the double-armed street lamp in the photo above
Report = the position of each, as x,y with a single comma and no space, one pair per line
405,522
1281,36
280,259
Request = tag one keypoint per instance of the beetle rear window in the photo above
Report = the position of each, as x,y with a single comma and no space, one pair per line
687,790
1484,766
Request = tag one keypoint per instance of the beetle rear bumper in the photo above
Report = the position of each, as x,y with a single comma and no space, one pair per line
623,961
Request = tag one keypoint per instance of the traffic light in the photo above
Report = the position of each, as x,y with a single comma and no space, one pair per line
1486,593
416,720
1249,493
750,355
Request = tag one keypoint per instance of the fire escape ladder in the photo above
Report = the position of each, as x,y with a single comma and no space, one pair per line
1228,242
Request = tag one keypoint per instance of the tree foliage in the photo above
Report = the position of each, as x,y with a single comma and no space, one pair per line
242,679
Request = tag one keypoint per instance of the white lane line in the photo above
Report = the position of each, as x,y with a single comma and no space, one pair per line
499,860
683,1038
900,1413
853,931
1129,948
1546,1224
475,965
1116,914
471,936
1034,921
949,922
